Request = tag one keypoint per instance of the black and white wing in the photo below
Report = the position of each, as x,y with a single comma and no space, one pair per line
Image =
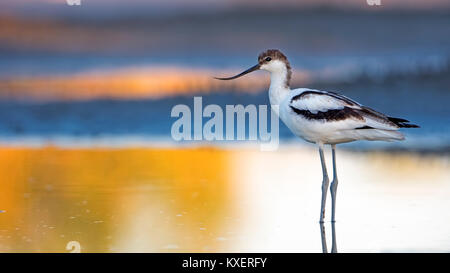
348,114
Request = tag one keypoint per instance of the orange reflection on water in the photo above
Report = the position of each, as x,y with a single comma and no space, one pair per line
131,83
113,199
216,200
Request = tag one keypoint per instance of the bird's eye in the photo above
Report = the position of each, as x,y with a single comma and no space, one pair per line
268,59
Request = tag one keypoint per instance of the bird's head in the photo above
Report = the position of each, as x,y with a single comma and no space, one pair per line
271,60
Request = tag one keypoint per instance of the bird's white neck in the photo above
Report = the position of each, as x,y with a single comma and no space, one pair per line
279,86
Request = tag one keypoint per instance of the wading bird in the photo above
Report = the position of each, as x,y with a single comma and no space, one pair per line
323,117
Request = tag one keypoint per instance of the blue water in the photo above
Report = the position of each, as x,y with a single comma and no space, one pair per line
421,102
313,40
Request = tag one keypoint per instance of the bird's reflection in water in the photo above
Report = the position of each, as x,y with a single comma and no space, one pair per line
324,238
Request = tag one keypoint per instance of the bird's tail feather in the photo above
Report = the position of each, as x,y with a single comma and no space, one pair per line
402,123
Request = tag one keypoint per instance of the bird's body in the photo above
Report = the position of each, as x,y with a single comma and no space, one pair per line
329,118
323,117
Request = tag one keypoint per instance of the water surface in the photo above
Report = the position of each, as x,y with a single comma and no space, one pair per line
216,200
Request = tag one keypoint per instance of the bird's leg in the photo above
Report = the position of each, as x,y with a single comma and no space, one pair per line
324,238
333,238
334,185
325,183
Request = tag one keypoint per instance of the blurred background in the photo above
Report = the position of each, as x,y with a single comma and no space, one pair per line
85,99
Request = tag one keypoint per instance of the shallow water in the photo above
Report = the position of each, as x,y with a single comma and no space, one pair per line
212,200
